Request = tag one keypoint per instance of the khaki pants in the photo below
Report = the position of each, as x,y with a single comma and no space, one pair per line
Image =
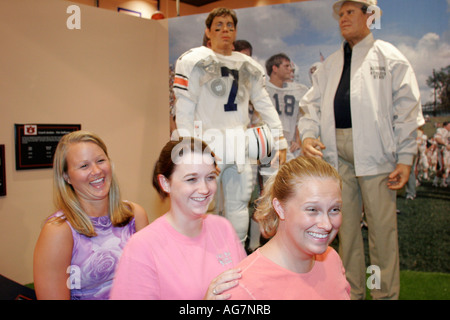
380,212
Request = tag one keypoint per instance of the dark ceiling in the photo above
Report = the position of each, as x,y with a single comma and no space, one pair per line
198,3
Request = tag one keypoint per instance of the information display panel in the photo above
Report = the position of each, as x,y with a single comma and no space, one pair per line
36,143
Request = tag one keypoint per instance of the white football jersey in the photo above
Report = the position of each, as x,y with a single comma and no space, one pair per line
216,91
286,101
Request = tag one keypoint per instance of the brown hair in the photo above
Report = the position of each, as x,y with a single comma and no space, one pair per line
275,60
283,187
240,45
171,153
220,12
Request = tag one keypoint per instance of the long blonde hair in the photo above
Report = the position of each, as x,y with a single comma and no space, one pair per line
65,198
283,186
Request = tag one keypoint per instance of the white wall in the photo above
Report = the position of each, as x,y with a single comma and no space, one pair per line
110,76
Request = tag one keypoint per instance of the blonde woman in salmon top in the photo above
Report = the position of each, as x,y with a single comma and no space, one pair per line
300,209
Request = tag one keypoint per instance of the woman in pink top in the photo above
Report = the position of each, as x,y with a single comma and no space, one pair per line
186,253
301,208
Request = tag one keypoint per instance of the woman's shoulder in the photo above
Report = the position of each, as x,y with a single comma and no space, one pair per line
253,259
214,218
151,232
218,222
140,215
56,232
329,255
57,223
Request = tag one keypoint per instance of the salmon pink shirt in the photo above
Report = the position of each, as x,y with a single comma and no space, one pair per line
263,279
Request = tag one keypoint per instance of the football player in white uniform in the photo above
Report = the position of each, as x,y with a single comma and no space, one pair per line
285,96
213,87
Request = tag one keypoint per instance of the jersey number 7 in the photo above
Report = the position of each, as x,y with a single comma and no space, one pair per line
231,105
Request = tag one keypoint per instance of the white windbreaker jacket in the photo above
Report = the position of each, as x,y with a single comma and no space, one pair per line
385,107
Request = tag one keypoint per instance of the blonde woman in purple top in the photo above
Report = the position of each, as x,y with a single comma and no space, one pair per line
79,246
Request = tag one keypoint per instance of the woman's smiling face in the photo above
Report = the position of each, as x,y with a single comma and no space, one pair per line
88,171
192,185
310,219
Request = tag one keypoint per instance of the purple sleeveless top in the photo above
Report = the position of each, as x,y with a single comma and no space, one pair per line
94,259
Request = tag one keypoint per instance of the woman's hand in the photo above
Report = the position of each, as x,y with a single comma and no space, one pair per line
223,282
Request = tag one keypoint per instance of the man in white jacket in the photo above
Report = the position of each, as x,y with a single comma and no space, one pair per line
362,115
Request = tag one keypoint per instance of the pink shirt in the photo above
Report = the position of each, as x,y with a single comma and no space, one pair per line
262,279
160,263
